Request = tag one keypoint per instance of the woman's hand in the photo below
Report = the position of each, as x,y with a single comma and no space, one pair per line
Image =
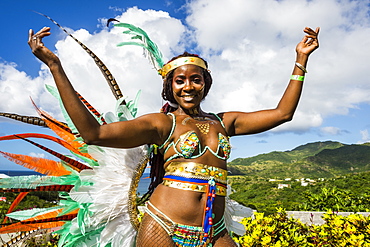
38,48
309,43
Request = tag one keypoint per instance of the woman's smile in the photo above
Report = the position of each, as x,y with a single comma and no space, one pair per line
188,98
188,86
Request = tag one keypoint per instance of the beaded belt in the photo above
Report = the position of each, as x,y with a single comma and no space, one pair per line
198,177
195,177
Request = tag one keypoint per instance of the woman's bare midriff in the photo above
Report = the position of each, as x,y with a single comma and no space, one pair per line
185,207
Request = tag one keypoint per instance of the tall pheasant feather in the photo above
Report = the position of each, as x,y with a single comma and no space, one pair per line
103,68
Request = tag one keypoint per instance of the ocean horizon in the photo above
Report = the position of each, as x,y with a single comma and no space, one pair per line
141,189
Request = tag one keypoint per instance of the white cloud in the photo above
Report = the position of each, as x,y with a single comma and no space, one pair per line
250,46
365,137
16,88
38,155
131,70
330,130
250,49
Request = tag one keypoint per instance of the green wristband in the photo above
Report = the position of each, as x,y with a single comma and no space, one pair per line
297,77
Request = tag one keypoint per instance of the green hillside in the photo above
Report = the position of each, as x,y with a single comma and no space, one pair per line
351,191
313,160
342,168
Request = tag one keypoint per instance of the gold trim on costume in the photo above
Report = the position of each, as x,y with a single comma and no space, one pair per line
196,170
132,204
179,62
220,191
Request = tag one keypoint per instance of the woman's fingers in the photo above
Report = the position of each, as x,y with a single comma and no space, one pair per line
35,40
309,42
43,32
30,34
39,35
311,36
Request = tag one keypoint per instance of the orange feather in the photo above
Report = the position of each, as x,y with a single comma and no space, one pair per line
50,216
19,227
15,204
41,165
47,137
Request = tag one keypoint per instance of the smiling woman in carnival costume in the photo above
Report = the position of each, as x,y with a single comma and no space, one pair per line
189,173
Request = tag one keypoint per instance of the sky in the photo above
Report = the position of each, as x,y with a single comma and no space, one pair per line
249,46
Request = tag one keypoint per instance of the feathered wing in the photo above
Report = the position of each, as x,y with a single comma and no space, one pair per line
100,189
97,182
98,206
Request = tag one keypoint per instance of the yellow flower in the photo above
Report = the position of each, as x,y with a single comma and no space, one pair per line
266,241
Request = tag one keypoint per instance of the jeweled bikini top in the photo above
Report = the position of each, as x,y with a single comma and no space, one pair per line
188,145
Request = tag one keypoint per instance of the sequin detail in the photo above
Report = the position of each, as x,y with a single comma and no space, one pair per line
188,144
186,235
196,170
224,144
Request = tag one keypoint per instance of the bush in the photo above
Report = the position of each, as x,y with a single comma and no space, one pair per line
47,240
335,199
278,230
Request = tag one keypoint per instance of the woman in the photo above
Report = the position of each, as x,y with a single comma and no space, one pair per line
187,208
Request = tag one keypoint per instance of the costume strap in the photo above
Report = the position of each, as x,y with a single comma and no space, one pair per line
219,119
172,130
168,229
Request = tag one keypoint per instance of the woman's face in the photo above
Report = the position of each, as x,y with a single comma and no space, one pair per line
188,86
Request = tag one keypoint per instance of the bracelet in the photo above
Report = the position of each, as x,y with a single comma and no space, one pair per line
297,77
301,67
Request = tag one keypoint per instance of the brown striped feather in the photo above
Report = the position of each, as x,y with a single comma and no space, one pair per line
65,188
25,119
74,164
91,108
107,74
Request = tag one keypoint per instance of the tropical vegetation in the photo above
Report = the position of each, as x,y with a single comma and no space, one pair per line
279,230
322,176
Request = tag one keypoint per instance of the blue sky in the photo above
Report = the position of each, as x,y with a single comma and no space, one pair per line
248,44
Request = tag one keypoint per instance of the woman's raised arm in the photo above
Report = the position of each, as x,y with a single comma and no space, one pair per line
238,123
142,130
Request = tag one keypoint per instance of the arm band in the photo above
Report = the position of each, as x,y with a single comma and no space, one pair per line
297,77
301,67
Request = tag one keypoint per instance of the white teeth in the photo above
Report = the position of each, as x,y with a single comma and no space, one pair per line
188,97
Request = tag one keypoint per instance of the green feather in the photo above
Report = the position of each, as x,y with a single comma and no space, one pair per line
53,91
155,55
30,213
31,182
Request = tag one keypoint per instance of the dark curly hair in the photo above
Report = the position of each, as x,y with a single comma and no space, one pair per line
167,93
